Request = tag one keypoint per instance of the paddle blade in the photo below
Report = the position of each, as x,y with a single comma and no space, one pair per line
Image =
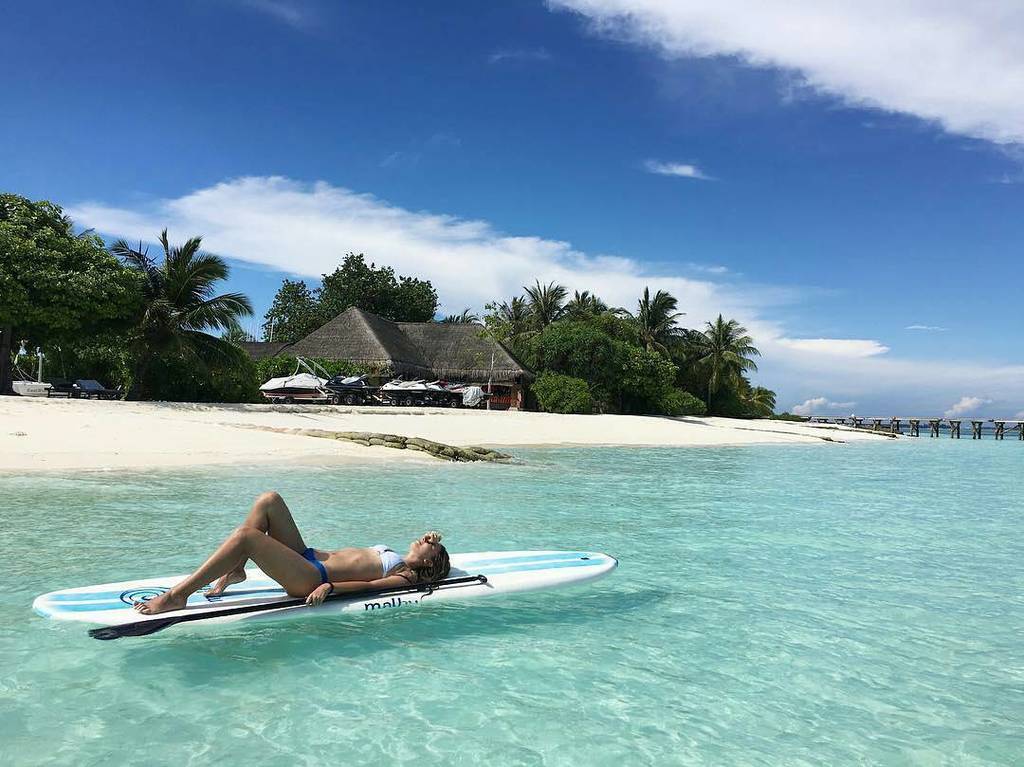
138,629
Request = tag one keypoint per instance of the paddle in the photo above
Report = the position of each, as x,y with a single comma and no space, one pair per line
151,626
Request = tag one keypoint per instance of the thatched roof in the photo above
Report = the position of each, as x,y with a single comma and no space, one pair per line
366,339
411,349
463,352
260,349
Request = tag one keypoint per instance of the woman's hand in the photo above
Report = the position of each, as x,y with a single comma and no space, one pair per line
318,595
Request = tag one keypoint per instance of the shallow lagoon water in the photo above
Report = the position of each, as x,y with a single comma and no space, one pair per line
856,604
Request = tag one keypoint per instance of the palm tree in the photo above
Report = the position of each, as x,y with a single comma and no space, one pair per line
725,351
585,304
509,322
761,401
545,303
655,320
515,313
237,335
179,307
466,318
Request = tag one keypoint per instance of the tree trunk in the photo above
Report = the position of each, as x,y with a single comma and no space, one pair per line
6,342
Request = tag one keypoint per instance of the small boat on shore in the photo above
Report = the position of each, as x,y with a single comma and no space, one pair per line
419,392
304,386
31,388
24,385
351,390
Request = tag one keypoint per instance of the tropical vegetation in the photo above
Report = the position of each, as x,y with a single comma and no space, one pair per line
56,286
161,327
297,310
633,361
178,315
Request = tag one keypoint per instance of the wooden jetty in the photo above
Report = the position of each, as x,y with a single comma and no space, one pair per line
894,425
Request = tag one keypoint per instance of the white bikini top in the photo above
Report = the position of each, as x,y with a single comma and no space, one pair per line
388,558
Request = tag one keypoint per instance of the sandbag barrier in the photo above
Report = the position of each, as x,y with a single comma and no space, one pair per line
398,442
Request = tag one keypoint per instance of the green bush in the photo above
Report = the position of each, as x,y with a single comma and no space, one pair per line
173,378
645,382
789,417
580,350
103,357
679,402
563,394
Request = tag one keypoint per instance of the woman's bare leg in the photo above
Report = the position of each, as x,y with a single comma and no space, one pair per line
297,575
270,515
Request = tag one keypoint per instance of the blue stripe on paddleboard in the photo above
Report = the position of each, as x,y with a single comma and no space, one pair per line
119,605
85,607
524,559
499,570
91,596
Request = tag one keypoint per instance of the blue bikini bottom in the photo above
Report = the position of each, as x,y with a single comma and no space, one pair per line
310,554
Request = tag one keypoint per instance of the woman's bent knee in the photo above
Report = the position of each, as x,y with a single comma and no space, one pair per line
269,497
245,535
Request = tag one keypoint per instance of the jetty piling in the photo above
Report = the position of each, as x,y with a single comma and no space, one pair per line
895,425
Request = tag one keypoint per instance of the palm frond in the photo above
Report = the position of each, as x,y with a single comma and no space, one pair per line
191,277
217,313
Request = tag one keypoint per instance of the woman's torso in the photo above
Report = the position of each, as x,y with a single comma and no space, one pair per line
353,564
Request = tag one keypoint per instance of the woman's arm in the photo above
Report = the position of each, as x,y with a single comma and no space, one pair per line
319,594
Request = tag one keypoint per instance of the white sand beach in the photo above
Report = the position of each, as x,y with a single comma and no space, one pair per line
66,435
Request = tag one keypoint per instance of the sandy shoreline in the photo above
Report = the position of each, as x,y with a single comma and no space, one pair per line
66,435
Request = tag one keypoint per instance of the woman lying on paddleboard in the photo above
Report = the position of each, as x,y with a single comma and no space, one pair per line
269,537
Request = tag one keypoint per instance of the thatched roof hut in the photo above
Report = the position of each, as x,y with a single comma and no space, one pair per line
410,349
464,352
366,339
260,349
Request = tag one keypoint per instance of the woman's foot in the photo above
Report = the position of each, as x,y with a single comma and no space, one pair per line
235,576
164,603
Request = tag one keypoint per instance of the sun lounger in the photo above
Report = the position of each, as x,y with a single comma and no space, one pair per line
88,388
61,388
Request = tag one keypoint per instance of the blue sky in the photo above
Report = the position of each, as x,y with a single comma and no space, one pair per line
832,178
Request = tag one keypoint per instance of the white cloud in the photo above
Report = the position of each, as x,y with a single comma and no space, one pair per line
682,170
958,63
396,159
933,328
716,269
305,229
966,406
835,347
820,405
293,16
518,54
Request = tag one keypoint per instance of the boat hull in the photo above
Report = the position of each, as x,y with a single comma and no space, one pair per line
31,388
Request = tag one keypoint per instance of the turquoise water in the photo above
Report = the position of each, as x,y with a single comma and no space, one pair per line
774,606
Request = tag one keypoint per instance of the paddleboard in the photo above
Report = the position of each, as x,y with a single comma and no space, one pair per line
504,572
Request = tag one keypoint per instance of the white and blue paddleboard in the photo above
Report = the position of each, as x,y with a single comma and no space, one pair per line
477,574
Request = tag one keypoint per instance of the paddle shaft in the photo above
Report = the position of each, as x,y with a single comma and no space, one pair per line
153,625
